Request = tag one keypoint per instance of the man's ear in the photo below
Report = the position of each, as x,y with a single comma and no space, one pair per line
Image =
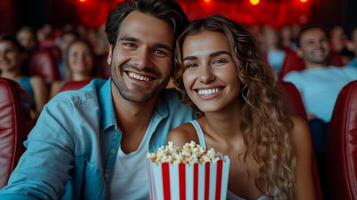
110,55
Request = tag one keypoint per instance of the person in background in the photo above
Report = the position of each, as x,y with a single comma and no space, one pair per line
79,62
12,55
286,36
319,85
337,39
347,56
27,38
270,43
241,113
67,37
92,143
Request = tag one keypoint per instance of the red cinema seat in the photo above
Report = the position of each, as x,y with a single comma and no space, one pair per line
15,124
292,62
74,85
341,146
292,99
42,63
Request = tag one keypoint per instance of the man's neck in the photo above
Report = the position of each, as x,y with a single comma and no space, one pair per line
309,65
133,120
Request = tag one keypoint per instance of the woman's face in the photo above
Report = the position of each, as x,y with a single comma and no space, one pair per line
80,59
211,76
10,57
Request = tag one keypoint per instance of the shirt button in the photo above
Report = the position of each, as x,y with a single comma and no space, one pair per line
106,175
113,151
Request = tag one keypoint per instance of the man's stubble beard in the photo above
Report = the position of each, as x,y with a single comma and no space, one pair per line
125,93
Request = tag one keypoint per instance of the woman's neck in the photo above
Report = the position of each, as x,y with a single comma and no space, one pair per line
223,124
80,77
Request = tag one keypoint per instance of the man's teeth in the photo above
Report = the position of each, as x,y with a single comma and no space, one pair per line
138,77
206,92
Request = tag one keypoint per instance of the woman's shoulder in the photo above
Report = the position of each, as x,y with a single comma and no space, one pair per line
301,136
35,79
183,134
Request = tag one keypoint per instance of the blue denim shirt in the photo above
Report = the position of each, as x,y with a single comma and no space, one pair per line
72,149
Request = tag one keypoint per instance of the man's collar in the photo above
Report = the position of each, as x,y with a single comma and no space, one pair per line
107,108
106,105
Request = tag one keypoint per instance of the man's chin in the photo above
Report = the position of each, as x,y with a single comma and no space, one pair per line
138,97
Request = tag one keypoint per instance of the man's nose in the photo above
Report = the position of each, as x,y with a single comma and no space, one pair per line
143,58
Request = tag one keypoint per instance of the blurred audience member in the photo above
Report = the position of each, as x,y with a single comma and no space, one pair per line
79,62
287,37
44,36
27,38
271,47
12,55
295,31
67,38
346,56
319,84
337,39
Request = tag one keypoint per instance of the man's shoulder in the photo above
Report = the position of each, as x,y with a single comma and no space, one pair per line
292,76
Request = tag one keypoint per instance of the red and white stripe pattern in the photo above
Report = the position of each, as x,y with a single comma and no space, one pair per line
207,181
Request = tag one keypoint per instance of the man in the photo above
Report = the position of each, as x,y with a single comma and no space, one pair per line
93,143
319,84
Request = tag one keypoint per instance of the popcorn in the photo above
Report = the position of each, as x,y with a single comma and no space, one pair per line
190,153
190,172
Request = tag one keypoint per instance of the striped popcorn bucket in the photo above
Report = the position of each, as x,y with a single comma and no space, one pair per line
207,181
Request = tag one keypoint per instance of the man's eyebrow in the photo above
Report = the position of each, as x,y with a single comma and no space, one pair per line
163,46
158,45
128,38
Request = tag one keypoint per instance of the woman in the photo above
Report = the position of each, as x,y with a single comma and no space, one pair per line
79,59
240,112
11,58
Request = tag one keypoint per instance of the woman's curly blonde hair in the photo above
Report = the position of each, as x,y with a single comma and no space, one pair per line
266,124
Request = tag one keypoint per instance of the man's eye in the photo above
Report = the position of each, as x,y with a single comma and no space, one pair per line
129,44
160,53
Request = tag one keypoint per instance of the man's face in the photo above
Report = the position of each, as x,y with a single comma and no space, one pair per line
141,60
314,47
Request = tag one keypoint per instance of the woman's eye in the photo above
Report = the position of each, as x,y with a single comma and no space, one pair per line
219,61
191,66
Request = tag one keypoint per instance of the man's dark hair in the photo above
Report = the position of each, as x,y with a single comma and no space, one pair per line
308,28
166,10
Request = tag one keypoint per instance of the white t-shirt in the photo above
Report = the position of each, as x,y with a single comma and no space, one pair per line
320,86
